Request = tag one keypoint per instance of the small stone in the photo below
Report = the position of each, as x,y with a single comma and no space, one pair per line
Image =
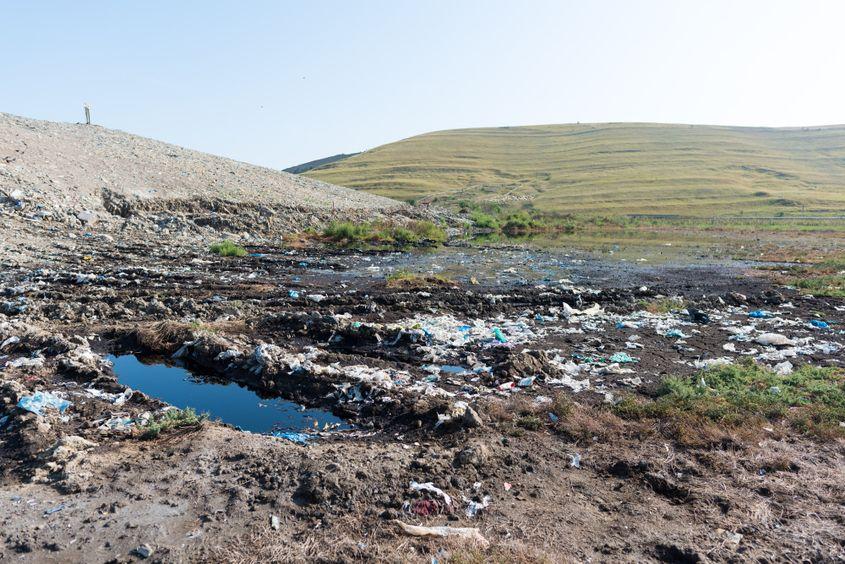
88,217
144,551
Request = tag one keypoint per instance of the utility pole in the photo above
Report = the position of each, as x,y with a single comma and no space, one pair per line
87,109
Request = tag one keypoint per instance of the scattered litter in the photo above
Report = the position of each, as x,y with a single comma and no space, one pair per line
760,314
622,357
25,362
575,460
499,336
422,507
114,399
817,323
430,487
468,533
712,362
55,509
475,507
774,340
526,382
39,401
784,368
298,438
293,294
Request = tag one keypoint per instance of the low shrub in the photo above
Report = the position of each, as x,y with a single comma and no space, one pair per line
227,249
171,419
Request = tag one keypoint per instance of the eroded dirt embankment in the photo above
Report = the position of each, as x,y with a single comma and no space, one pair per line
499,395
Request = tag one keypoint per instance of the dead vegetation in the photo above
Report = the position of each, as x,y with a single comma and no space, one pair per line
405,280
162,335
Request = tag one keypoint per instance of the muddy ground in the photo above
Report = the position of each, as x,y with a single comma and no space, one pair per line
324,328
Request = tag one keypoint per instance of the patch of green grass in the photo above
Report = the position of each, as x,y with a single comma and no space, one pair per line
811,399
830,285
347,232
427,231
171,419
483,220
827,278
611,169
227,249
380,234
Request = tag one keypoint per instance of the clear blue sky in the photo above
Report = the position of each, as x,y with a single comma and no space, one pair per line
282,82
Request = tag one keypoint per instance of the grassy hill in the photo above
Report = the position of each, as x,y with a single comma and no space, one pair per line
612,169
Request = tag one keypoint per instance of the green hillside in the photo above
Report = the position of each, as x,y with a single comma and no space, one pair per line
615,168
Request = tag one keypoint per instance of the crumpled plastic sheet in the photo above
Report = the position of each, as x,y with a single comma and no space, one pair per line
39,401
298,438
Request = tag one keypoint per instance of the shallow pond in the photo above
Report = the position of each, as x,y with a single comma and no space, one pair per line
231,403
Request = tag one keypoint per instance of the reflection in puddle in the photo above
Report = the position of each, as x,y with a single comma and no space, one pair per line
229,402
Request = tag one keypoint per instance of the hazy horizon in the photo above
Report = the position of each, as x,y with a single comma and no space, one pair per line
281,84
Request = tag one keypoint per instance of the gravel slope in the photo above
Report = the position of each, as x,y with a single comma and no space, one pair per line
64,165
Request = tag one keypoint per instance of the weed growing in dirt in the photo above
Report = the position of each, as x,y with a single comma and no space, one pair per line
529,422
172,419
227,249
811,399
561,405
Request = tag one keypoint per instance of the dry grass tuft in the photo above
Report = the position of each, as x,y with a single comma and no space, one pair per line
164,336
404,280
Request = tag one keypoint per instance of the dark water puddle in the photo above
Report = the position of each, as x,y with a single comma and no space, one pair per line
231,403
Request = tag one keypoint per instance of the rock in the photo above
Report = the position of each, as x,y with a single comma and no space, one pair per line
736,298
474,455
87,217
471,418
772,297
144,551
698,316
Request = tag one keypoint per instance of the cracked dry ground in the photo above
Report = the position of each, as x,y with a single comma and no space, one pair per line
587,485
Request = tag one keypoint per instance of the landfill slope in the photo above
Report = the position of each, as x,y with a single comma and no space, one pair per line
66,168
